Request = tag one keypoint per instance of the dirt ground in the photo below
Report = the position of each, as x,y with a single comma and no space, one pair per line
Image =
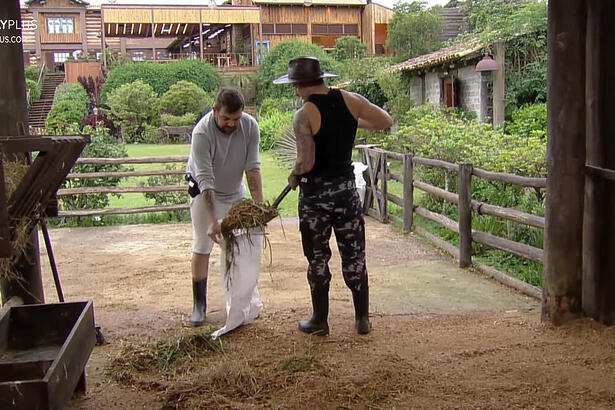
442,337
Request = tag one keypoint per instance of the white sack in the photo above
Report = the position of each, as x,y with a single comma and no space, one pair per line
359,181
243,302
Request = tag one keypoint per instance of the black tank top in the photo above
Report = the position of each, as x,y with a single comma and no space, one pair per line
335,138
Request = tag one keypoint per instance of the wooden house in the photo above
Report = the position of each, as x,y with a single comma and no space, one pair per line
235,34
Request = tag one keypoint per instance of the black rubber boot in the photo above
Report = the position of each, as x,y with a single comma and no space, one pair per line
199,294
318,325
361,309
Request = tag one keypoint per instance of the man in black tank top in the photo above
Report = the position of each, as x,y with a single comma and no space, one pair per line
325,128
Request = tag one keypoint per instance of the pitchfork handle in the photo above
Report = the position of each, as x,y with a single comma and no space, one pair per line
281,196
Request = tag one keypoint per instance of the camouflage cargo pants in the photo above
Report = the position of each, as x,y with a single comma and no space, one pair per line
333,204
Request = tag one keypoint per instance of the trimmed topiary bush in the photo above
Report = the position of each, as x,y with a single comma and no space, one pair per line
162,76
131,107
35,90
276,61
185,97
176,120
70,105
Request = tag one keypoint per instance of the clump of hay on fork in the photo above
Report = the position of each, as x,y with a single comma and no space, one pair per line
243,216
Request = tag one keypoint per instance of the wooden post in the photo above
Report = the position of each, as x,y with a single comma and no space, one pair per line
499,84
154,36
465,215
201,39
408,192
102,37
565,161
599,225
84,34
12,112
383,184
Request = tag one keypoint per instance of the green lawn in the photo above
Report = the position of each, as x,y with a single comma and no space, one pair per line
274,177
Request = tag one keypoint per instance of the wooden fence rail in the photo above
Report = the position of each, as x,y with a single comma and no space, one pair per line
377,197
125,189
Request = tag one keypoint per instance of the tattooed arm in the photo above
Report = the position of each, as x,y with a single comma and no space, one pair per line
305,146
255,184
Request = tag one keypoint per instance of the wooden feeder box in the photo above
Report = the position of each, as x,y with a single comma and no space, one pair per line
43,352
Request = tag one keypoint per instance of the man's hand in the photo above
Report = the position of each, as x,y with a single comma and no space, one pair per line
214,231
293,181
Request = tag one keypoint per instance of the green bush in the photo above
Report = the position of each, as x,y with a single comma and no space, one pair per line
185,97
32,72
167,198
35,90
349,47
177,120
162,76
102,145
70,105
269,105
529,121
395,87
132,106
276,61
362,75
273,127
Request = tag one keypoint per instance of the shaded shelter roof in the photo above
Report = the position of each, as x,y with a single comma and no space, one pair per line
438,57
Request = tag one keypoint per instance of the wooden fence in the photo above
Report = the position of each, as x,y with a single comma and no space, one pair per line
377,198
125,189
376,201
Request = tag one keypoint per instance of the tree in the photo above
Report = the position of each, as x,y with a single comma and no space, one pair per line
349,47
414,30
276,61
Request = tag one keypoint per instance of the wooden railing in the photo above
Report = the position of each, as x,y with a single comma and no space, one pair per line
378,196
125,189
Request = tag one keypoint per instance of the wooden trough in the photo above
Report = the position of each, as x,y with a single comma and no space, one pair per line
43,352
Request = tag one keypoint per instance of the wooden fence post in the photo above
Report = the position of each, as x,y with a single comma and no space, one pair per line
408,192
465,215
383,178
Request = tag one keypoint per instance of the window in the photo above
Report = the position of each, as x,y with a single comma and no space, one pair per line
282,29
299,28
285,28
450,91
351,29
335,29
60,25
60,57
264,45
268,28
319,29
138,56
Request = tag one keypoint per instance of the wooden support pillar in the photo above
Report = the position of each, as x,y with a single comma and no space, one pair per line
565,161
13,111
103,48
599,226
499,85
408,192
465,215
84,34
201,39
153,37
384,217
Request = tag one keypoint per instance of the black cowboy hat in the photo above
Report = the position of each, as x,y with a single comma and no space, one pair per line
303,69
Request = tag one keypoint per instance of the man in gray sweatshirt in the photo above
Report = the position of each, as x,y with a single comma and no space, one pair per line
224,147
